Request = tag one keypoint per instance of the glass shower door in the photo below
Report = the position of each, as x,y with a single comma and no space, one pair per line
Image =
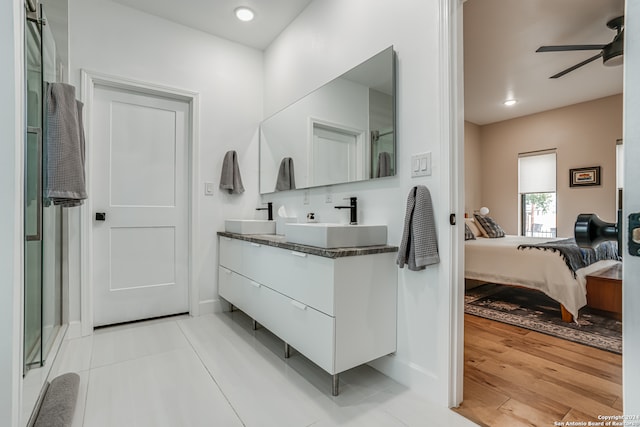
33,200
42,224
51,222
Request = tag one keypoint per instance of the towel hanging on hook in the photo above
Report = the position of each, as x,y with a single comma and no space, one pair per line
419,245
230,179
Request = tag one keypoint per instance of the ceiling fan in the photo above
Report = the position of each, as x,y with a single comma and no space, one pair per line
611,53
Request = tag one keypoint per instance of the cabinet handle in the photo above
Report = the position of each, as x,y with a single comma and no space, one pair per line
299,305
257,245
300,254
254,284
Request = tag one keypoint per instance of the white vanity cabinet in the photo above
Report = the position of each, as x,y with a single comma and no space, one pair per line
339,312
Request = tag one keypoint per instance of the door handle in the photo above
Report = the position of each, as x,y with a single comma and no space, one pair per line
101,216
634,234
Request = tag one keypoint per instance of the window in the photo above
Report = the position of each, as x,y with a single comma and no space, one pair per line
537,189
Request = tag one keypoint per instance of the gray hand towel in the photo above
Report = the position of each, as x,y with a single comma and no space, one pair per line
230,179
384,165
64,178
286,176
419,245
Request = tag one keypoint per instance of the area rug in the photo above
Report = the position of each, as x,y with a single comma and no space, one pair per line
535,311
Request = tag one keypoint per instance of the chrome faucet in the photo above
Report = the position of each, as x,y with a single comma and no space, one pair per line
353,206
269,210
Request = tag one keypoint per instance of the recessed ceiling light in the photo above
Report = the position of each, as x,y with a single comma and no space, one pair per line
244,14
510,102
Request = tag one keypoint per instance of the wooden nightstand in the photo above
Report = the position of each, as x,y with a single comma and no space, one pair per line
604,291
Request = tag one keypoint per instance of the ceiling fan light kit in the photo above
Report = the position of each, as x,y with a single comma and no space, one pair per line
611,53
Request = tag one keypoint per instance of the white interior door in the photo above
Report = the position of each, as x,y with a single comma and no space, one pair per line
139,181
631,205
334,156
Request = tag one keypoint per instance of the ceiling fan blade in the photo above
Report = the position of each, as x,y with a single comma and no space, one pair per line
568,47
570,69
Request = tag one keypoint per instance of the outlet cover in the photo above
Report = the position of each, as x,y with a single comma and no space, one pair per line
328,198
305,197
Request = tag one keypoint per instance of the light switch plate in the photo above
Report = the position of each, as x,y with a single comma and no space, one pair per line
421,164
305,197
209,188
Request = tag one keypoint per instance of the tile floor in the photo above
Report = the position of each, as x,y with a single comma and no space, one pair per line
216,371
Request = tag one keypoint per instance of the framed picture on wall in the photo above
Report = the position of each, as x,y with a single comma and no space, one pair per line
584,177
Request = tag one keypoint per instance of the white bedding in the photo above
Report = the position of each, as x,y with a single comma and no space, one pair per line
499,261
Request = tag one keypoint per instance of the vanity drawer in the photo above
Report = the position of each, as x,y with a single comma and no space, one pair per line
303,277
244,293
230,254
231,288
307,330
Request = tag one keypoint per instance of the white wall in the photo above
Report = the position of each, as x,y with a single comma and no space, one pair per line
583,135
11,137
113,39
472,168
327,39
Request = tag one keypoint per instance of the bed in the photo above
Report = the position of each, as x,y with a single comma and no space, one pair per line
498,260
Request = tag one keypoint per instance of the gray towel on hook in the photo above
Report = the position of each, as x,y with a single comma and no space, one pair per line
384,165
230,179
64,178
419,245
286,176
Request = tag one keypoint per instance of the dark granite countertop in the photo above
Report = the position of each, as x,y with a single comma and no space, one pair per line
281,242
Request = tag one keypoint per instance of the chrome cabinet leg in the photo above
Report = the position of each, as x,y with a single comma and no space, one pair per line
334,385
254,325
287,351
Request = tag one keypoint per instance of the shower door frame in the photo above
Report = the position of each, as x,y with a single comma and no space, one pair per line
90,79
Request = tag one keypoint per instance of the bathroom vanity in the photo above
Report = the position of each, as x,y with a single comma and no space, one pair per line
337,307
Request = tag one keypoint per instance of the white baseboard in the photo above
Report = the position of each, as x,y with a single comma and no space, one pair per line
412,376
74,330
211,306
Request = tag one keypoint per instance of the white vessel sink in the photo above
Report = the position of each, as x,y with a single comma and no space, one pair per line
250,226
328,235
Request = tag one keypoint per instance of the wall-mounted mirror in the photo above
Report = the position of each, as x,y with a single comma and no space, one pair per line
341,132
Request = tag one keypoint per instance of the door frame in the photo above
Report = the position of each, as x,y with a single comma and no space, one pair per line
89,80
359,134
452,146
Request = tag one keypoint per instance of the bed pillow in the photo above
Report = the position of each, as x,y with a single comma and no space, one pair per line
469,222
468,234
490,227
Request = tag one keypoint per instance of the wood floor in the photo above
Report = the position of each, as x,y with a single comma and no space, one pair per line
517,377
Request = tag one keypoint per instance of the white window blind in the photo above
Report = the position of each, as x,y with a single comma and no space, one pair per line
537,173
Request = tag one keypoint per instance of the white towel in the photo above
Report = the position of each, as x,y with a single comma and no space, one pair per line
230,179
419,245
286,176
65,179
